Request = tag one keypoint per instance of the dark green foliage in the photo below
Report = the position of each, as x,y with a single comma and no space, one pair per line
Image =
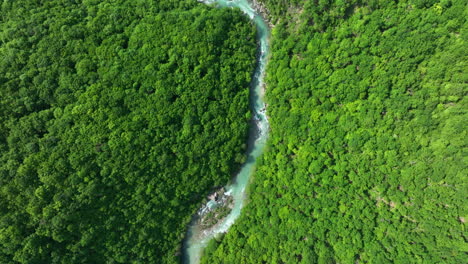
367,156
116,119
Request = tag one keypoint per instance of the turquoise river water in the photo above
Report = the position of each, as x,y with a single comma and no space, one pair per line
197,238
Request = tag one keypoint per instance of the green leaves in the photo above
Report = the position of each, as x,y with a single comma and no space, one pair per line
365,155
117,118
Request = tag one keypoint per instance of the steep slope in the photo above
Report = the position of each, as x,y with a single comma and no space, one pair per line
367,157
116,119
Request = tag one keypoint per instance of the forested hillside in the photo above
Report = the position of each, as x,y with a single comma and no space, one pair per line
116,119
367,159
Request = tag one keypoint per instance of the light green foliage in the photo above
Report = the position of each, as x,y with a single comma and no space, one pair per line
116,119
367,156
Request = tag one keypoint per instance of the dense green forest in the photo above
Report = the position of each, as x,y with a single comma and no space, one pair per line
116,119
367,159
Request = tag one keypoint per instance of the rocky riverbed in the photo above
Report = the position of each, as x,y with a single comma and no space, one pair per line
217,207
261,9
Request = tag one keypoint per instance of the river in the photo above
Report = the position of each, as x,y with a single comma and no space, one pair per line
197,238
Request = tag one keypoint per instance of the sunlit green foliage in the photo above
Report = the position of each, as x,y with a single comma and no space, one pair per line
116,119
367,159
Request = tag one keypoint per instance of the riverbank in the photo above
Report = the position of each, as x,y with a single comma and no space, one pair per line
261,9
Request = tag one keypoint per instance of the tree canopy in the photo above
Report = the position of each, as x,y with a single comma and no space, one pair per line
367,157
116,120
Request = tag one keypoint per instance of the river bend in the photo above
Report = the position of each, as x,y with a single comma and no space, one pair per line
197,238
